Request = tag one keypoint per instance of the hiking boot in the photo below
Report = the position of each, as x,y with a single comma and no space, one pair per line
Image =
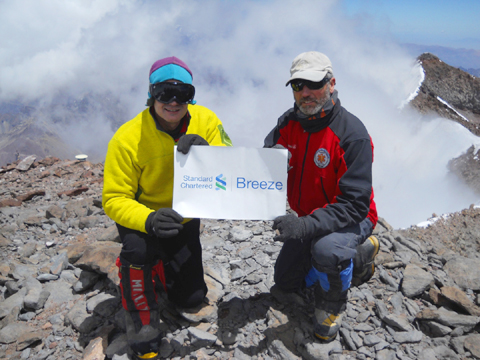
364,265
326,325
144,340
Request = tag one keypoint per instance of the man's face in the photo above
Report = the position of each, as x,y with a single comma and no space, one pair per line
310,101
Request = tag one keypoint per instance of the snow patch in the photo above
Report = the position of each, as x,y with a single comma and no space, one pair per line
414,94
451,107
431,221
476,147
425,224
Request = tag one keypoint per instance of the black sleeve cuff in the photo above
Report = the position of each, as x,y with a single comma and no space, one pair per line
149,224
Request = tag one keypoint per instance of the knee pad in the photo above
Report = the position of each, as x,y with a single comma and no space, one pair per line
342,280
346,276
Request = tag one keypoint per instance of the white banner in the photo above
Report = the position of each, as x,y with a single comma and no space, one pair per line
217,182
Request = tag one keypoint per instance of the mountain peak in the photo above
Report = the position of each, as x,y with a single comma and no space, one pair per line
448,92
428,56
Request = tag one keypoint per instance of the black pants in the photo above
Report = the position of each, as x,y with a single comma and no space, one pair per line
330,254
181,256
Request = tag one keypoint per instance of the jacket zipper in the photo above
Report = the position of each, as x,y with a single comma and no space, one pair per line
324,192
301,177
303,168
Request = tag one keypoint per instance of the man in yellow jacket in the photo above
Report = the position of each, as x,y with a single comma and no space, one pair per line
159,246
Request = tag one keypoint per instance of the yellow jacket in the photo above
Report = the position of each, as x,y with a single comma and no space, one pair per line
138,173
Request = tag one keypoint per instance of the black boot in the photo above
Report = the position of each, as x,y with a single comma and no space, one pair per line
329,308
144,340
364,265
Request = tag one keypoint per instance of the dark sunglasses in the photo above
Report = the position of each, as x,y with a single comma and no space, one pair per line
167,92
298,84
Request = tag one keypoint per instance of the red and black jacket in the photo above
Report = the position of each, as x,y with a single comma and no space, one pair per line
330,169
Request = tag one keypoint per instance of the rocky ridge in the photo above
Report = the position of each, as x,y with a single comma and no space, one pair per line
59,295
40,128
453,94
471,71
467,167
448,92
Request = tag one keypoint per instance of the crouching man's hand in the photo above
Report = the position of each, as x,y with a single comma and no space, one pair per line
164,223
290,227
186,141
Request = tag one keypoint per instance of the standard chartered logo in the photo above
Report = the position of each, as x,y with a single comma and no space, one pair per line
238,183
220,183
196,182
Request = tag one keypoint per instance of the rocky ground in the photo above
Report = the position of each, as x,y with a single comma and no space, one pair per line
59,296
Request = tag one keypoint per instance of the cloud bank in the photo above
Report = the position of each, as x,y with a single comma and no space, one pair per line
240,54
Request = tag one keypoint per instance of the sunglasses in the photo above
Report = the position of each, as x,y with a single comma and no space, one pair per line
167,92
298,84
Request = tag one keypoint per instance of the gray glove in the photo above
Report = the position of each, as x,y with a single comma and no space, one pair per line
186,141
164,223
290,227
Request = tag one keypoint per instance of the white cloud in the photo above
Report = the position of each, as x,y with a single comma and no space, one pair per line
240,54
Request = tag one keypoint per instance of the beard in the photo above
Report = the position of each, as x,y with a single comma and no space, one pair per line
318,103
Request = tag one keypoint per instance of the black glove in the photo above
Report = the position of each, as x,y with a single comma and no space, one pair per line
290,227
164,223
186,141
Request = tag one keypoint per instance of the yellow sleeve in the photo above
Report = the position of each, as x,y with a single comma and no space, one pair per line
120,186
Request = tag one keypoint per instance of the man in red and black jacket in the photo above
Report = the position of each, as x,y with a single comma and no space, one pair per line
329,244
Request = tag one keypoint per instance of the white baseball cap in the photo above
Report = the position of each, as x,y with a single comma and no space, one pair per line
311,65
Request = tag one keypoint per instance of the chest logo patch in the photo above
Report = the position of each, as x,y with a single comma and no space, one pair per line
322,158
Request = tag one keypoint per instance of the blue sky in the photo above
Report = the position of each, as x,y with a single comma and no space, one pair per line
426,22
